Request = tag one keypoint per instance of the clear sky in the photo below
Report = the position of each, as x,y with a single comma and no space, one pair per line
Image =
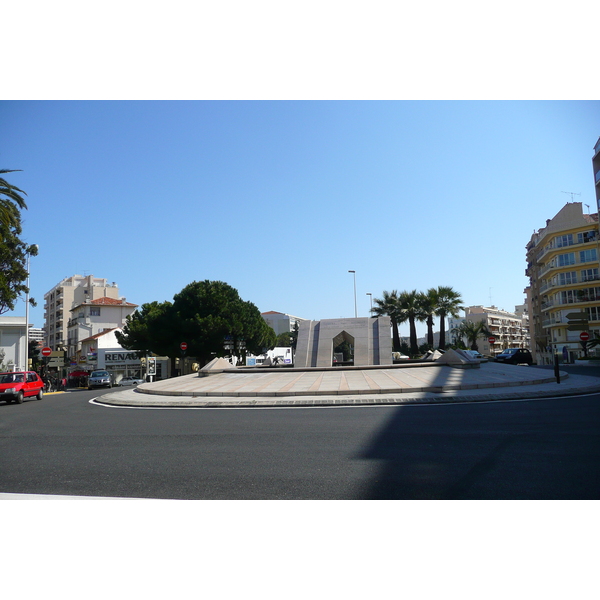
281,198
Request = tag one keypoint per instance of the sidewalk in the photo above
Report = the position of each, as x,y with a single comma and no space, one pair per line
406,384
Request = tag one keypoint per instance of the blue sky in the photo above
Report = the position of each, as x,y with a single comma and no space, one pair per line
281,198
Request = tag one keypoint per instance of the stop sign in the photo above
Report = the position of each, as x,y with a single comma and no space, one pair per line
46,351
584,336
183,346
492,339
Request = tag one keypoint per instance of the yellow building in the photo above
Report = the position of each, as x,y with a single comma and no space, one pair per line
562,266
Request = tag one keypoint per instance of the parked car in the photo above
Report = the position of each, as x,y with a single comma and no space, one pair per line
515,356
18,385
473,353
99,379
131,381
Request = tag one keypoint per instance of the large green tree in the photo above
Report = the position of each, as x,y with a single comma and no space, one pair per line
202,315
449,303
13,250
388,306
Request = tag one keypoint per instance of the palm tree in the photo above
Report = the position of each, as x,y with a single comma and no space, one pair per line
429,303
388,307
9,215
448,304
411,310
472,331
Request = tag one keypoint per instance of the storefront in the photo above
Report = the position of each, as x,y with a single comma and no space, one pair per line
120,363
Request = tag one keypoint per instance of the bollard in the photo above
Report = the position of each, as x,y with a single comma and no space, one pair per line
556,371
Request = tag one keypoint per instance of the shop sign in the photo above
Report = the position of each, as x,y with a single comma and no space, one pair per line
110,358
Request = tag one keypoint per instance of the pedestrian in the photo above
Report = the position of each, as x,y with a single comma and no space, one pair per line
64,383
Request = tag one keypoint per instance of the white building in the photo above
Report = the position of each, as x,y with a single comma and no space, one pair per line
63,296
281,322
12,343
102,351
95,316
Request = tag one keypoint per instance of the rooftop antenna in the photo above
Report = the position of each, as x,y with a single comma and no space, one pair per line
572,194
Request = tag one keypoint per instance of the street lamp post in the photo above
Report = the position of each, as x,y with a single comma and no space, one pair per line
371,297
32,248
355,309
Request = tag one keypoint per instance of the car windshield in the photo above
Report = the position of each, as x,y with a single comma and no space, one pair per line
12,378
100,374
511,351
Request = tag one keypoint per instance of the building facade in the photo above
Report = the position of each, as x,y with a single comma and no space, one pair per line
281,322
564,280
95,316
596,171
509,329
12,343
62,297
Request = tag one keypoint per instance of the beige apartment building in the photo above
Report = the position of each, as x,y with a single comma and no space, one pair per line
62,297
509,329
563,271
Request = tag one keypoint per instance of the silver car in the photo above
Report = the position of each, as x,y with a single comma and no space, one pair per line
99,379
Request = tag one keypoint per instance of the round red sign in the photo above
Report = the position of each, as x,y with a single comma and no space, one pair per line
183,346
584,336
46,351
492,340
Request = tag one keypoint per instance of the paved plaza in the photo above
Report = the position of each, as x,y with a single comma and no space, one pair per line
400,384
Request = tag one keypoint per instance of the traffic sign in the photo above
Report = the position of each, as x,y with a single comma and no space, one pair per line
584,336
578,321
183,346
492,339
46,351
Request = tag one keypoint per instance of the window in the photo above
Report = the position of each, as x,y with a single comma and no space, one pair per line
593,313
567,278
588,255
94,312
566,259
589,275
564,240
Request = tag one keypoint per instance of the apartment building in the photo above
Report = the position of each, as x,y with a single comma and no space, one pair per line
63,296
563,271
596,171
509,329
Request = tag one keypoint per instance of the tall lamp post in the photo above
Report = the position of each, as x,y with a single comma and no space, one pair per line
371,296
355,309
33,248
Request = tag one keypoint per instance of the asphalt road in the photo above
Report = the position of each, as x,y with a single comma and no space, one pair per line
543,449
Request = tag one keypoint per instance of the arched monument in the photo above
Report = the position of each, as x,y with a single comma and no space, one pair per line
370,337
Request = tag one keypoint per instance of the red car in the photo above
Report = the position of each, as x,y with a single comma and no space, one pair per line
18,385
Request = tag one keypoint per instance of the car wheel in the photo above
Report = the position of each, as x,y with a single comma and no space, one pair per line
40,394
89,387
19,398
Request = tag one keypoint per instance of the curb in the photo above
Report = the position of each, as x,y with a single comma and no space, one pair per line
375,400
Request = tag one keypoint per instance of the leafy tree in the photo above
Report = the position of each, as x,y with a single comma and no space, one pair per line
388,306
201,315
10,200
13,250
284,340
448,304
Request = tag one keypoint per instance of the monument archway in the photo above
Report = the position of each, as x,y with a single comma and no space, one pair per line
342,343
371,340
